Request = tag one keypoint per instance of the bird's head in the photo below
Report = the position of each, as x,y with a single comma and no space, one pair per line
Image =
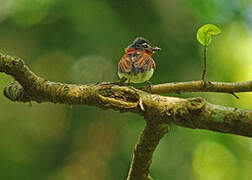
142,45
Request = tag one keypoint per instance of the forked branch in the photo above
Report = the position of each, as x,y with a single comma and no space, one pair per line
159,111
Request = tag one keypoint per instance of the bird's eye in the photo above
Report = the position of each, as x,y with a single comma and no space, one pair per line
145,45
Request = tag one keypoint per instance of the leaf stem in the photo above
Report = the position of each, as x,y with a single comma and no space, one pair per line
204,67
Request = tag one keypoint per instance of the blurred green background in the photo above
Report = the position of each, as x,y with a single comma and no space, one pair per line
81,41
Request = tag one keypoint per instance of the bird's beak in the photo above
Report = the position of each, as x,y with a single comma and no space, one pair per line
156,49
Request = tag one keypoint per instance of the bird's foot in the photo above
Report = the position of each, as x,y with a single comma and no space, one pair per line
120,82
98,82
148,86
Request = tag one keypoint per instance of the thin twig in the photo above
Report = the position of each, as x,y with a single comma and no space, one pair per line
237,97
202,86
204,67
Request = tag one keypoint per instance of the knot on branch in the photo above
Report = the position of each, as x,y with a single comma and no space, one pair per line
123,97
15,92
196,104
10,64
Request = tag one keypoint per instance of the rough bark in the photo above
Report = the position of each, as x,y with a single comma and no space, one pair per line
143,152
158,111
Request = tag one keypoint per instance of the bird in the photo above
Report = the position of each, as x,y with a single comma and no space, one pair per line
137,65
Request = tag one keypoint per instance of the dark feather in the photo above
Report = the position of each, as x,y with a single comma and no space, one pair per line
136,62
137,43
125,64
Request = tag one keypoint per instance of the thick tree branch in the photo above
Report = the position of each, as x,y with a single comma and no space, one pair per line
147,143
159,111
192,113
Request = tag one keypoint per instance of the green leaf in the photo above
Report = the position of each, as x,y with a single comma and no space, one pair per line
204,34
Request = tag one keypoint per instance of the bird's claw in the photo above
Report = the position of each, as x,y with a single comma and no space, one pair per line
148,86
120,82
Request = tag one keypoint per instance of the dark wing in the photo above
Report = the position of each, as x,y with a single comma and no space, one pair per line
125,64
144,62
136,62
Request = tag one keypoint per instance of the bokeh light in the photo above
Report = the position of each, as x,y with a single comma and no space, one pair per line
29,12
213,161
90,69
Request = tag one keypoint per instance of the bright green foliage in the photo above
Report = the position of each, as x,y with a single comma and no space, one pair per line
204,34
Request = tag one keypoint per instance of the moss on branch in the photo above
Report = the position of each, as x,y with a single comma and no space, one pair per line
159,111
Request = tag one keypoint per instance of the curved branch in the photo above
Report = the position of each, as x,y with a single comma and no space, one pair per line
192,113
159,111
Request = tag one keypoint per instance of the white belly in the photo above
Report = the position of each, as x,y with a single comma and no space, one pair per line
137,78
